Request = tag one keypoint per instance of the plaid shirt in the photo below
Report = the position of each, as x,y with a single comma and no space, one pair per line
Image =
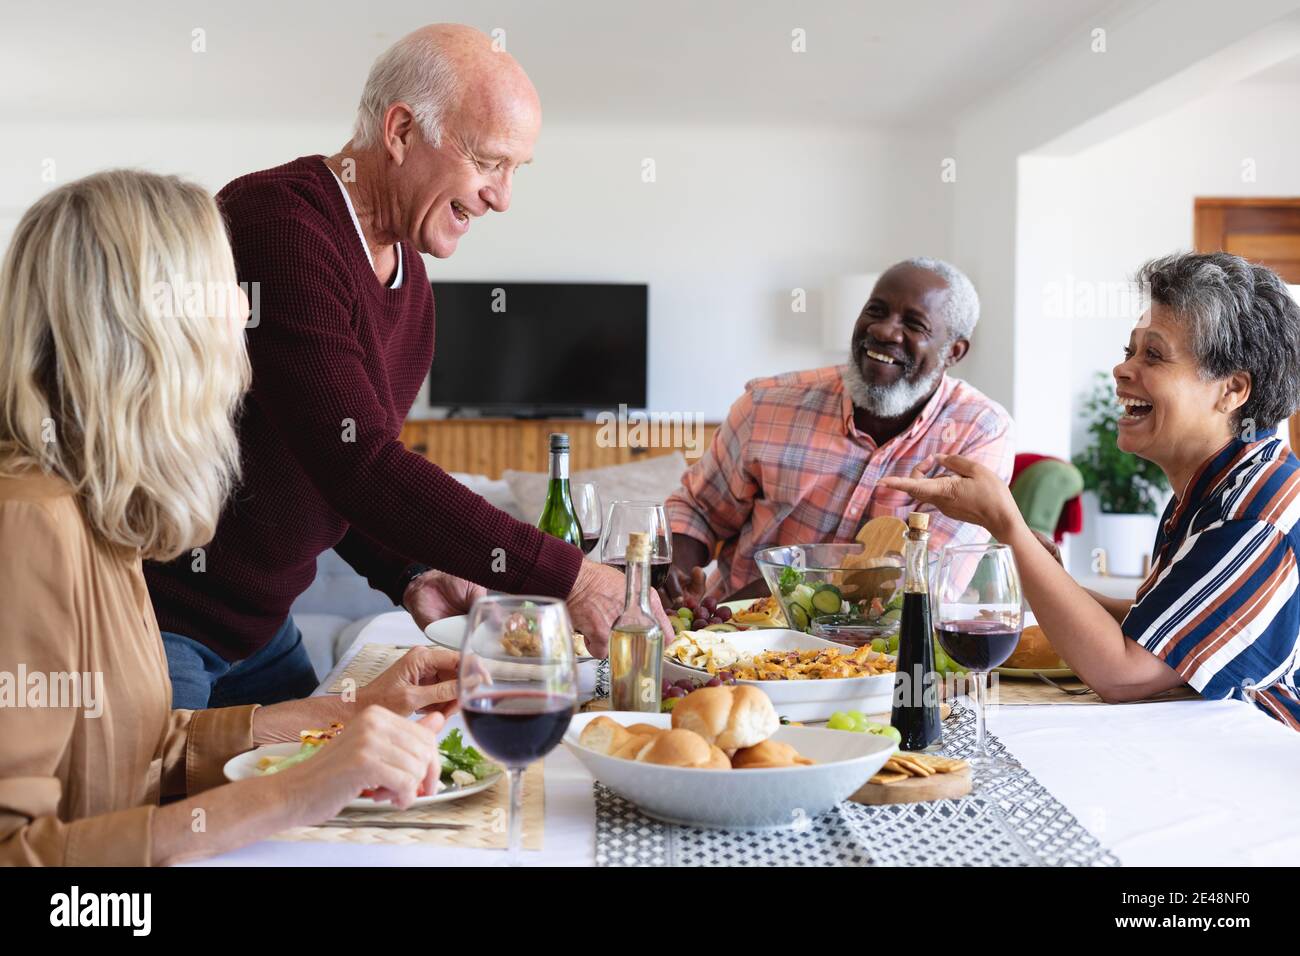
789,467
1222,604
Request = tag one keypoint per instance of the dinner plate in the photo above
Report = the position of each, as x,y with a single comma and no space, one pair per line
450,633
244,767
801,699
741,605
767,798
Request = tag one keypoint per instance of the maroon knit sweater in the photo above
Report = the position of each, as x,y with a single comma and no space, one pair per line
337,361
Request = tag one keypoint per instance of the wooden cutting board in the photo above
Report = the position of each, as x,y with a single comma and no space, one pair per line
878,537
881,535
940,786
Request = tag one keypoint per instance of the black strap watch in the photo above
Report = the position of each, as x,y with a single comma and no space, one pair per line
409,574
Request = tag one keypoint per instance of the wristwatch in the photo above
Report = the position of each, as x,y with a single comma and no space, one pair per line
409,574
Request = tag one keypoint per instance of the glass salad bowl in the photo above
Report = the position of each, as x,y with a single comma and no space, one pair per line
833,581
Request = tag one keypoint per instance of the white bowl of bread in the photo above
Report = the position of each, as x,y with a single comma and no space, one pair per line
723,759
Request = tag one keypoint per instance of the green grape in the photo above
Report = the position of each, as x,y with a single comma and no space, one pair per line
685,613
879,645
893,644
840,721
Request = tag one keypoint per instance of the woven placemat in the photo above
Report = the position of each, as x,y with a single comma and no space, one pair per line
1031,690
485,815
369,662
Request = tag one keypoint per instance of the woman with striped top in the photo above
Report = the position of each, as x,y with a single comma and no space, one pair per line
1207,373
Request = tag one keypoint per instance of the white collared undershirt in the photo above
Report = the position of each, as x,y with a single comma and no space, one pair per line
397,276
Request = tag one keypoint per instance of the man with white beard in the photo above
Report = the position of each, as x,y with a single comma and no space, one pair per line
800,456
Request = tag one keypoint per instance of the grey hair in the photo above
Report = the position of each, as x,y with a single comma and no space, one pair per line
962,309
1242,319
415,71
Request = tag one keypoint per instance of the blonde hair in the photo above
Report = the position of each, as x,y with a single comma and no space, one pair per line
114,375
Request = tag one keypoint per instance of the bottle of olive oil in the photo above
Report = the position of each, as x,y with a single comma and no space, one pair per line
636,643
916,685
559,518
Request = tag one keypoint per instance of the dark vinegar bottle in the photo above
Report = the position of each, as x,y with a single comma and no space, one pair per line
916,685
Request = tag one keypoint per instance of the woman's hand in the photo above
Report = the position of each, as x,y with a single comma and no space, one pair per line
377,750
423,680
971,493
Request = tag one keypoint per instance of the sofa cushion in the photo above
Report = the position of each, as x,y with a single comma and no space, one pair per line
651,479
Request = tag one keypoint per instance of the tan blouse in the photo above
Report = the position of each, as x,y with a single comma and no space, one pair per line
84,760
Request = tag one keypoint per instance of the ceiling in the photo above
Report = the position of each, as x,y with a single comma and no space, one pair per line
901,62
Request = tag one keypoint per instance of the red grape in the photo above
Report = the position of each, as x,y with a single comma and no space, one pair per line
724,613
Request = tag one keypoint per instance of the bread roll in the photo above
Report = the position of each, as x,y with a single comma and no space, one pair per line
729,717
631,748
603,735
1034,651
718,759
680,748
769,753
645,729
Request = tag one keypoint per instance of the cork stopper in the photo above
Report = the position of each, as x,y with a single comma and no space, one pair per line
638,547
918,521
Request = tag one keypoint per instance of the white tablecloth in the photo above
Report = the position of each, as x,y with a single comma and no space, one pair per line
1174,784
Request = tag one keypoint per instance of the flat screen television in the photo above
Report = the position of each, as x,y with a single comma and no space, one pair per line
538,348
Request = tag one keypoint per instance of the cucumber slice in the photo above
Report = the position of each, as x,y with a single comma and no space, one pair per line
802,596
724,628
799,617
827,600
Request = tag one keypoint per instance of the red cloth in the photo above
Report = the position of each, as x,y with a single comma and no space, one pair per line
337,361
1071,520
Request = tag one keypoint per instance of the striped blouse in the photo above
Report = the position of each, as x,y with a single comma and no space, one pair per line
1221,605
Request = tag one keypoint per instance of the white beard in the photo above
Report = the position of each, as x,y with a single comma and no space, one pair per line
886,401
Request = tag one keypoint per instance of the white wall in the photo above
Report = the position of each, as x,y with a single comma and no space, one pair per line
736,219
1157,54
1097,216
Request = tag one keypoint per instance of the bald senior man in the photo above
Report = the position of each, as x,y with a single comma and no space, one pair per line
343,341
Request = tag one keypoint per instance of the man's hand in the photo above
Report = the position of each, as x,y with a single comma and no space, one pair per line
435,595
683,584
423,679
596,601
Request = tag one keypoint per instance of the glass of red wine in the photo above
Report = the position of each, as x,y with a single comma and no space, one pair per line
586,503
518,686
647,516
978,619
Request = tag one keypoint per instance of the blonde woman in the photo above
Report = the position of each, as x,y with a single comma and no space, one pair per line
123,364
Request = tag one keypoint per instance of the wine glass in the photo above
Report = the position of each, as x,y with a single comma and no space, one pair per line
518,686
978,620
647,516
586,503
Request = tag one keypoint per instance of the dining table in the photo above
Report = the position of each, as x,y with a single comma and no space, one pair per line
1178,783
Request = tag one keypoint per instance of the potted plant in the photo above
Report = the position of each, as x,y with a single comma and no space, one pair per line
1127,487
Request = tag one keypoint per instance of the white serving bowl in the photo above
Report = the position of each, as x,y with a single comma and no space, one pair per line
802,699
739,799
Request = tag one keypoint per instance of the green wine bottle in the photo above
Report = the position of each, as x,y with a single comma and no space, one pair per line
559,519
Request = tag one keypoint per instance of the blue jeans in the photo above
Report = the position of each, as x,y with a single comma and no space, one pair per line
281,670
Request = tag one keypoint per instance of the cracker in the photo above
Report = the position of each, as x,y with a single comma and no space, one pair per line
889,776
